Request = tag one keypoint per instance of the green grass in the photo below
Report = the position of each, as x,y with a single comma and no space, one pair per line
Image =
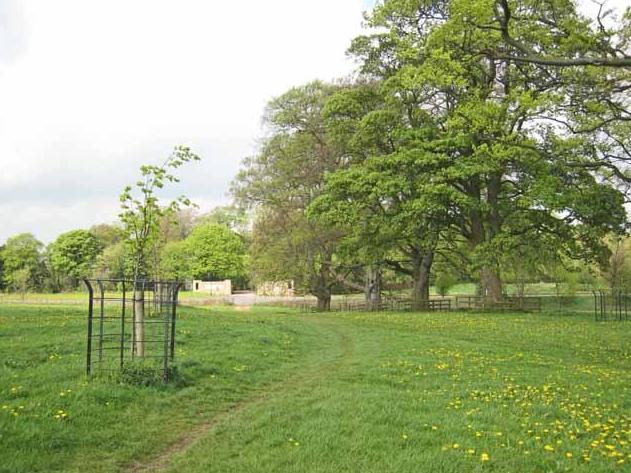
79,297
271,390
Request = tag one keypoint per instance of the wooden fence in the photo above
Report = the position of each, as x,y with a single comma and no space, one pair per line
447,304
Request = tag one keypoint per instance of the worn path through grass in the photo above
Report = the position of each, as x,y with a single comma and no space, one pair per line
334,350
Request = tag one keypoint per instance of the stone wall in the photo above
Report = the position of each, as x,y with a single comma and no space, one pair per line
275,288
214,288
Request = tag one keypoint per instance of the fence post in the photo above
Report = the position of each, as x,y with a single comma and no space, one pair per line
90,317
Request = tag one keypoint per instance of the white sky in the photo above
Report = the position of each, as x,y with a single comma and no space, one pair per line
92,89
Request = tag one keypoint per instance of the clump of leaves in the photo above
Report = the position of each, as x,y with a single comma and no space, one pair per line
138,373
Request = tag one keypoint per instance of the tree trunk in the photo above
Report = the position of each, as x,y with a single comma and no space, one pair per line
372,291
324,301
420,291
139,322
491,284
322,289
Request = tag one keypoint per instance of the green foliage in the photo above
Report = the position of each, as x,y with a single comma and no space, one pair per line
2,281
141,211
175,261
444,281
229,216
281,181
107,235
145,373
474,149
74,254
113,262
214,252
23,267
617,271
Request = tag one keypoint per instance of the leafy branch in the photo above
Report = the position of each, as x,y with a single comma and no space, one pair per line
141,211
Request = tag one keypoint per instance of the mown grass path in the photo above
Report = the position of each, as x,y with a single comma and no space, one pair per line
335,348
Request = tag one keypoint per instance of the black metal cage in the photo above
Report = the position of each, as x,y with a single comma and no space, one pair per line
131,322
611,306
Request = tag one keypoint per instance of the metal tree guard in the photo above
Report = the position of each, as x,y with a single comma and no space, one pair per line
611,306
130,321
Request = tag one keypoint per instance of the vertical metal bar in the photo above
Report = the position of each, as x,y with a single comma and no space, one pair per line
90,316
176,289
101,321
617,306
165,351
122,345
133,323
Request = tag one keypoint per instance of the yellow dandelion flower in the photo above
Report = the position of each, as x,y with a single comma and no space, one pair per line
485,457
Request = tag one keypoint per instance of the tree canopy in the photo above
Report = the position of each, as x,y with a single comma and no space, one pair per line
474,146
23,267
74,254
215,253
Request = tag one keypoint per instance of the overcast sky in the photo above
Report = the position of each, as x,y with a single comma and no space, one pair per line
91,89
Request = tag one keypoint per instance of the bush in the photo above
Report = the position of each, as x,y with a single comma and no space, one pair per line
444,281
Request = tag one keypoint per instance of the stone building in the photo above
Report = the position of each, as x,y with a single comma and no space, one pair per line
213,288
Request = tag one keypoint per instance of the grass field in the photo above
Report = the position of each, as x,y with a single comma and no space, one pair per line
75,298
273,391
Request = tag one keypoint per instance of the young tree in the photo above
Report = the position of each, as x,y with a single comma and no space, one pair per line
141,215
445,279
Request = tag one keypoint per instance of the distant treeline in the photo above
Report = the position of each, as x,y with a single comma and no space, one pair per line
208,246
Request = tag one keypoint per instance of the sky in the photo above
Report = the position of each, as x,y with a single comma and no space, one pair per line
92,89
